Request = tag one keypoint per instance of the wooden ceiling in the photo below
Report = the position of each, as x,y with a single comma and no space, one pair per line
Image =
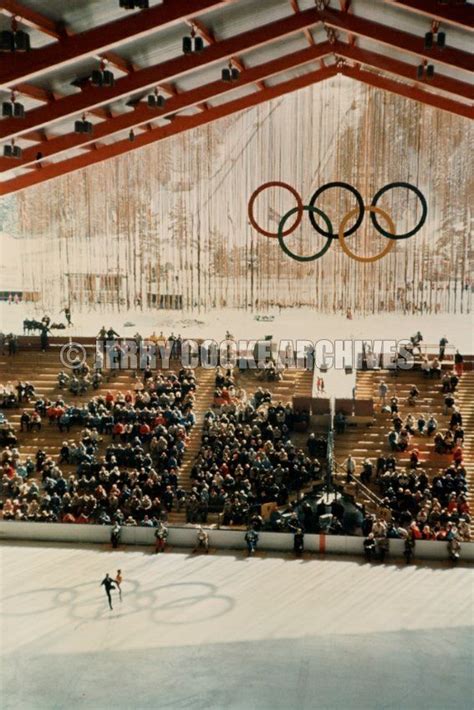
278,46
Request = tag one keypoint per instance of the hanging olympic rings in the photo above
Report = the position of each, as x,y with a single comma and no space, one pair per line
360,203
256,193
281,234
340,233
422,219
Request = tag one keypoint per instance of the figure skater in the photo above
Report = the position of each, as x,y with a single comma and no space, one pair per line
109,584
118,582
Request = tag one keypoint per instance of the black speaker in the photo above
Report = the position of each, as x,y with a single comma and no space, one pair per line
12,151
226,75
83,127
22,41
160,101
428,40
441,40
18,110
429,71
235,74
108,78
198,44
419,71
7,41
187,45
151,100
7,109
97,78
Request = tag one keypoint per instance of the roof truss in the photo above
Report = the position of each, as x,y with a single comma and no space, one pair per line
390,64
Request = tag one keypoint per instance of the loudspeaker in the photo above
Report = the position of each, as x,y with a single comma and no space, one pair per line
12,151
18,110
7,109
97,78
198,44
187,45
22,41
108,78
7,41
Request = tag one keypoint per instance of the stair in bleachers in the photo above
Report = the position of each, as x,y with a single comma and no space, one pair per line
371,441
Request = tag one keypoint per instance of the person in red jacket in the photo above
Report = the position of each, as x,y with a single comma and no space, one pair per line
118,430
457,455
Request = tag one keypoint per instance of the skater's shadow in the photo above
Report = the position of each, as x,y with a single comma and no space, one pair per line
171,604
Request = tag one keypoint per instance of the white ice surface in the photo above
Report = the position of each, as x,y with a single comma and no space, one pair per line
222,631
291,323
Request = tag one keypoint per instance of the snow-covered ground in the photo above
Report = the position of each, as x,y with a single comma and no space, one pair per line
291,323
226,632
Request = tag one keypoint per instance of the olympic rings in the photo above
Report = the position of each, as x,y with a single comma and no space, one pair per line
342,237
254,196
341,234
281,233
422,220
360,203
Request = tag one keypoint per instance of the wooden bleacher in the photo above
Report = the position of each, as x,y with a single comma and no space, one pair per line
41,369
370,442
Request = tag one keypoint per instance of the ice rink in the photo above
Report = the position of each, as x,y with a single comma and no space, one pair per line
289,323
223,631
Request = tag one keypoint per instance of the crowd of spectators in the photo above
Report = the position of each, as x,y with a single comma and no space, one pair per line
247,458
134,482
413,505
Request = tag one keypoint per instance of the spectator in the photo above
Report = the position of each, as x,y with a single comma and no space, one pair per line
458,363
202,540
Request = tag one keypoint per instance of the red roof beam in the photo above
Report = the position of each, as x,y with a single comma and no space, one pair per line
453,13
177,126
410,92
407,71
180,102
392,37
101,39
210,38
149,77
32,19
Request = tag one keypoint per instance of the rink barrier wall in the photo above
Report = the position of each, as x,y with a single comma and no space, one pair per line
218,538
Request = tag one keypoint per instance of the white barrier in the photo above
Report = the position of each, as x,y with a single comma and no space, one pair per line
222,539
